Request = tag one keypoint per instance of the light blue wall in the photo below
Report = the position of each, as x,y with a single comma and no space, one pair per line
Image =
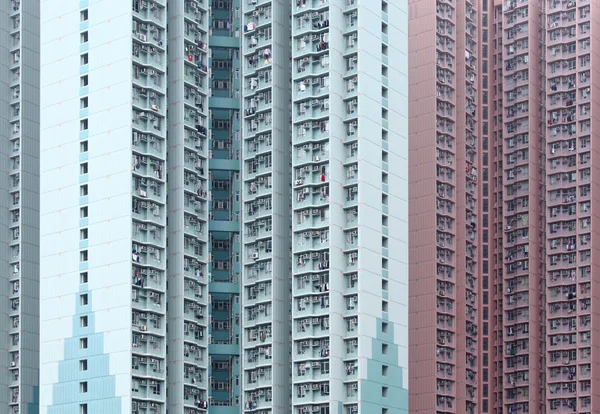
101,397
372,400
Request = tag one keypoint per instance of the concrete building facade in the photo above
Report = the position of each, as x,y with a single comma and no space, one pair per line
184,265
528,67
19,220
349,243
266,203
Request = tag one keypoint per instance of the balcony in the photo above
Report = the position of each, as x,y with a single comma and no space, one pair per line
313,306
257,18
258,83
262,356
311,393
149,79
314,262
259,125
311,197
315,66
195,12
147,345
312,240
257,39
257,315
261,145
311,327
304,372
257,401
148,122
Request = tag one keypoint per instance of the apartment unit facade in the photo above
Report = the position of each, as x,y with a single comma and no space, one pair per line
570,331
188,206
522,324
445,207
19,222
534,325
266,206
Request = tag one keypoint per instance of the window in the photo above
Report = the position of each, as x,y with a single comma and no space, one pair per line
83,409
384,370
83,146
83,387
83,212
84,102
84,37
384,349
83,299
83,365
384,327
83,277
83,190
84,81
83,321
384,305
384,392
83,343
83,168
83,256
84,59
384,284
83,15
83,125
83,234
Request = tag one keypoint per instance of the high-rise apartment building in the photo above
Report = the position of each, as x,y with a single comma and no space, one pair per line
240,243
520,276
501,199
19,221
349,218
446,223
571,331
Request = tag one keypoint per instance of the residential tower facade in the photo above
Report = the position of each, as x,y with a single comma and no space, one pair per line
240,243
19,221
527,311
349,223
103,212
266,206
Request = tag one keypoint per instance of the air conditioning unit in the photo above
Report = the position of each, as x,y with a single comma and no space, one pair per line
255,256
